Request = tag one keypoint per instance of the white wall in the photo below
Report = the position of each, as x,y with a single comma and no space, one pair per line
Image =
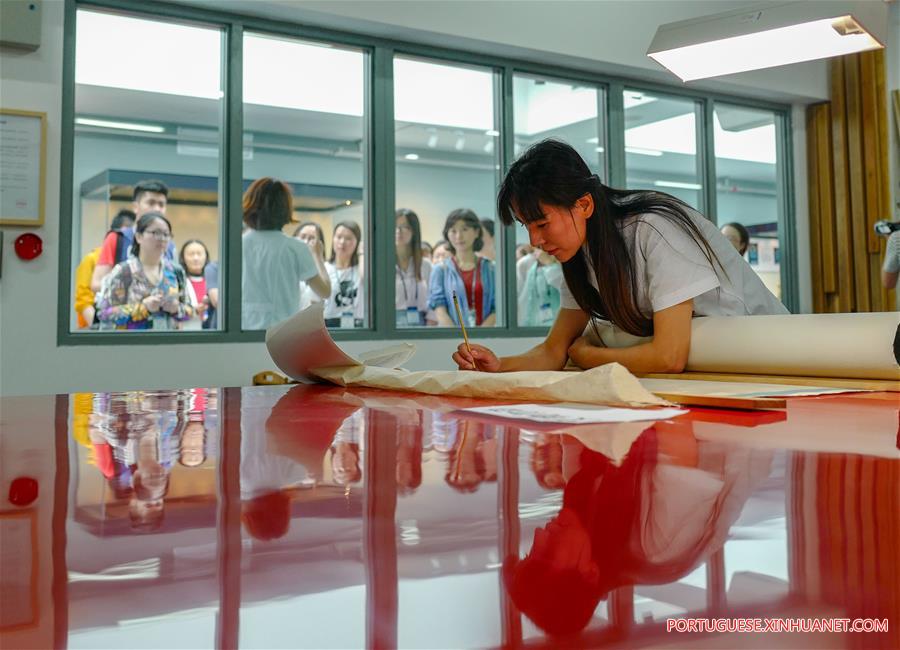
570,33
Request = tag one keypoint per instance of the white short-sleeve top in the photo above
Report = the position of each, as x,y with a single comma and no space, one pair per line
670,268
274,265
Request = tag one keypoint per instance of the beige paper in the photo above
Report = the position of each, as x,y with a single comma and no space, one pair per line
301,343
611,384
736,389
858,346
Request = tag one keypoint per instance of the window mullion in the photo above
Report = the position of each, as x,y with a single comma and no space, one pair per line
231,171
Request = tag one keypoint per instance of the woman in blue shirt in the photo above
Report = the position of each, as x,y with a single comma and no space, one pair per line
471,277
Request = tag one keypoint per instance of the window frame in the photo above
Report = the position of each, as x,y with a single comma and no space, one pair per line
379,168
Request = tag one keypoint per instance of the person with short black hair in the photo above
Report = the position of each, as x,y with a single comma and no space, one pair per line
738,235
487,240
147,196
466,274
273,263
642,260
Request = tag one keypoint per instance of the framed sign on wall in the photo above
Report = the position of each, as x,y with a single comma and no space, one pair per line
23,166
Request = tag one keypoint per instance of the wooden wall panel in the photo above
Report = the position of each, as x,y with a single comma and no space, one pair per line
849,189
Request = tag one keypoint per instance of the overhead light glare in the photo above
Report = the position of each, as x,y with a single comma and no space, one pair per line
411,156
432,141
348,202
678,185
460,142
739,41
125,126
594,140
599,149
492,132
656,153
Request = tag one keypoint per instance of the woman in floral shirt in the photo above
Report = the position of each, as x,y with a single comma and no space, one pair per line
147,290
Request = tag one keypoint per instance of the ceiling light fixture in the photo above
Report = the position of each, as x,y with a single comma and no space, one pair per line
678,185
594,140
741,40
460,142
656,153
432,140
411,156
493,133
125,126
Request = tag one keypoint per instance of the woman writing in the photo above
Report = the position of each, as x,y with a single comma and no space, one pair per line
147,290
644,261
412,273
470,276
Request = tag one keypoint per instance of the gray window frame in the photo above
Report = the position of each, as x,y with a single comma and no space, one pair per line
380,168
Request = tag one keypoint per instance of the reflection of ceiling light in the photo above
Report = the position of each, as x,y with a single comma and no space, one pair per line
127,126
593,140
460,142
489,146
432,141
492,133
599,149
741,40
644,152
678,185
348,202
411,156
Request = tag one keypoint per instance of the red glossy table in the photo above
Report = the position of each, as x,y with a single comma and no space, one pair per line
308,516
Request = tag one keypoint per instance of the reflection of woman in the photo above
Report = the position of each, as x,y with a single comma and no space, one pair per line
344,306
146,291
650,520
412,273
470,277
642,260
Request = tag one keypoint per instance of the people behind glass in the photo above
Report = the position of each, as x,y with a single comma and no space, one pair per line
412,272
651,519
738,235
311,234
539,277
148,290
440,253
487,240
427,250
273,263
147,196
85,296
211,275
522,250
194,256
344,307
465,274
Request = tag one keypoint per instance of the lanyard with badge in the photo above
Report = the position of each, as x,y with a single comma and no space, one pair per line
545,313
470,312
412,311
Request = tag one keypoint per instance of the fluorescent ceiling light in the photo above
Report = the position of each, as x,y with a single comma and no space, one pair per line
411,156
678,185
599,149
492,132
126,126
741,40
594,140
656,153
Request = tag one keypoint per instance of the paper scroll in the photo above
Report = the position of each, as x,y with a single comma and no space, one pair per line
858,346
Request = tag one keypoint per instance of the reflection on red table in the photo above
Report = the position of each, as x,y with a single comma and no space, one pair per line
310,516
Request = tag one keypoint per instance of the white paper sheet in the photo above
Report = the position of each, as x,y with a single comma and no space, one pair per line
575,413
736,389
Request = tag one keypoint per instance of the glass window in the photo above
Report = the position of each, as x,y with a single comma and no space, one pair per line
304,147
661,146
147,140
447,170
747,188
573,112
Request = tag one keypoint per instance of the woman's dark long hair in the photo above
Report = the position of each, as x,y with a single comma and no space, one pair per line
184,247
353,227
142,224
551,172
413,220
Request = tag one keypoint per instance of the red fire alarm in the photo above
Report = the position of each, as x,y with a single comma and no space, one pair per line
28,246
